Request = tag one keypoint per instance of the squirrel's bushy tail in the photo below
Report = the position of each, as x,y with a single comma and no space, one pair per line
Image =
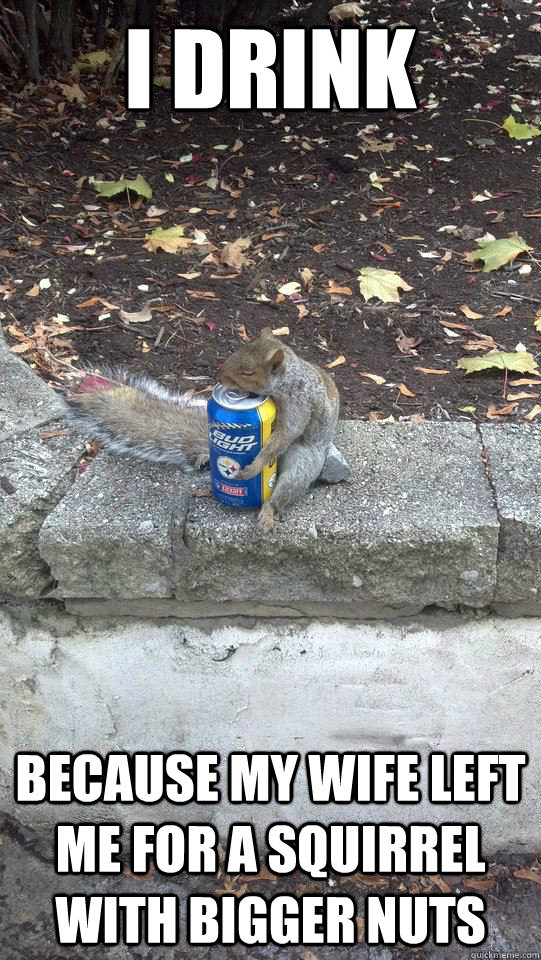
135,415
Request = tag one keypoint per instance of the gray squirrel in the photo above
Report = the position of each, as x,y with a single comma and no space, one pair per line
137,416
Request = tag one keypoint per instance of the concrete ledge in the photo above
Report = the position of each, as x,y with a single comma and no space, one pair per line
443,515
116,685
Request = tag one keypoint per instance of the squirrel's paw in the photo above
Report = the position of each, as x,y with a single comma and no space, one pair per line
265,520
249,472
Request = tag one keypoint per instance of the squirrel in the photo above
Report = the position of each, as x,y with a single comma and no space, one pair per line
134,415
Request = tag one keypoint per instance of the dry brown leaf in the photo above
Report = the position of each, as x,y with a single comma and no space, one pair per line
440,883
455,326
533,875
404,390
307,278
335,288
436,373
493,412
22,347
303,312
94,300
374,376
524,382
336,363
233,253
319,247
470,314
238,145
241,330
534,412
281,332
503,312
406,344
522,396
34,291
471,883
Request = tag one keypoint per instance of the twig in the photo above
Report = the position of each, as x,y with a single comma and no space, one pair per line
513,296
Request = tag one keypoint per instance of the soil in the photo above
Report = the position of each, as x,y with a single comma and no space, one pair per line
299,186
511,891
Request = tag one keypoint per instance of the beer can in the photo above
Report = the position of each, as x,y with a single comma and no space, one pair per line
239,426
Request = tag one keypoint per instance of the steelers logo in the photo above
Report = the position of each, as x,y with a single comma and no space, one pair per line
228,467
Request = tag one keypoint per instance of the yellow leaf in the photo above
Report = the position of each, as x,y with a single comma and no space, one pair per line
171,240
336,363
381,284
404,390
470,314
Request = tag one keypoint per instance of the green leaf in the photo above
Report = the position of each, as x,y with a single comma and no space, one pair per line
110,188
520,360
495,253
382,284
520,131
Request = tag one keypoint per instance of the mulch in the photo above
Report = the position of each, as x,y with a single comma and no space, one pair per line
298,185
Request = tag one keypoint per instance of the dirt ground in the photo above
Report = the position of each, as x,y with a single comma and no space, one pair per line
298,186
512,893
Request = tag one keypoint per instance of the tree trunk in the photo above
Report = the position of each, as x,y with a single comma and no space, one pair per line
30,10
101,22
61,31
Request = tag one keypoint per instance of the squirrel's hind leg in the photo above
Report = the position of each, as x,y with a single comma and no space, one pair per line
299,468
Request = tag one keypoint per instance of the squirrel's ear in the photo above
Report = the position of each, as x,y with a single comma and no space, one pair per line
266,331
276,359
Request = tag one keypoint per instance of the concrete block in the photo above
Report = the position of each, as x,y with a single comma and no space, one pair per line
514,464
111,535
26,401
415,525
34,475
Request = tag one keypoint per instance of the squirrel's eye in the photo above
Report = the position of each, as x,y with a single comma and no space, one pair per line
247,373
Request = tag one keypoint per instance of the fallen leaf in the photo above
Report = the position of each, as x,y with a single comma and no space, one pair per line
281,332
335,288
238,145
34,291
524,382
72,92
93,301
520,131
336,363
404,390
470,314
533,875
374,376
432,372
233,253
496,253
503,312
471,883
170,240
381,284
303,312
521,360
522,396
288,288
307,278
534,412
110,188
406,344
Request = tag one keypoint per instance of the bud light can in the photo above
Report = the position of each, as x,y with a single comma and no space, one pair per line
239,425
